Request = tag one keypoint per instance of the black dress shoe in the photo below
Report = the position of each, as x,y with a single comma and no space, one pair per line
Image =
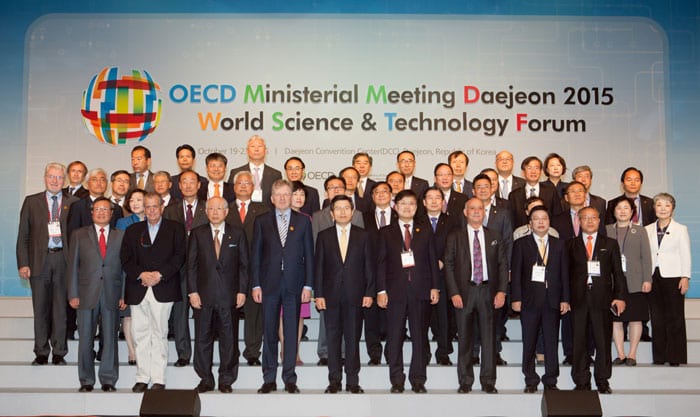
500,361
397,388
157,387
203,387
139,387
354,389
443,361
85,388
604,389
464,389
475,360
181,362
551,387
333,388
322,362
58,360
291,388
530,389
374,361
419,388
225,388
132,362
582,387
619,361
489,389
254,362
645,338
40,360
108,388
568,360
674,364
267,387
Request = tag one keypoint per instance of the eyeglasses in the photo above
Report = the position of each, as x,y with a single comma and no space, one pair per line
55,177
102,209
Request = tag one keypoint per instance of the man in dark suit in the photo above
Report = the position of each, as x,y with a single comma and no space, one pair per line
407,284
294,169
76,173
283,274
540,292
496,200
632,180
191,213
94,281
454,202
597,286
217,281
120,188
351,176
263,175
362,162
406,163
459,162
162,185
476,277
507,182
532,168
185,155
152,254
215,184
242,213
344,285
142,177
440,224
41,259
584,175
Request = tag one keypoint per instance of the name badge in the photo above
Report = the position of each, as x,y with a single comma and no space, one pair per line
257,196
54,229
593,270
407,260
623,260
538,273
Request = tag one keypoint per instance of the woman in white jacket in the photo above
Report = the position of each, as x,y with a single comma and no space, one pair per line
670,255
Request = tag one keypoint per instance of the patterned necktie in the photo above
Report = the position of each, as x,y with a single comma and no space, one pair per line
241,211
189,218
635,216
217,192
103,243
433,222
139,183
360,189
407,236
343,242
532,192
478,274
54,217
382,219
504,188
589,246
217,243
458,186
543,251
282,228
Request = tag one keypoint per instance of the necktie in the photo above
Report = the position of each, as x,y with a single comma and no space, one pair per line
485,222
458,186
577,224
382,219
217,193
103,243
217,243
54,217
532,192
543,251
478,274
444,206
407,236
635,216
360,189
433,222
189,218
139,183
117,201
71,190
256,178
504,188
282,228
343,242
241,211
589,246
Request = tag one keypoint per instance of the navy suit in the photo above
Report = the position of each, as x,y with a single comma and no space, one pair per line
518,202
540,302
281,272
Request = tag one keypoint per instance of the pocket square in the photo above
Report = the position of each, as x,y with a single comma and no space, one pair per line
494,242
232,245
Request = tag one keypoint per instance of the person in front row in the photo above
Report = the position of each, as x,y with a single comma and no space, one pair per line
217,280
598,289
344,286
407,284
476,277
540,292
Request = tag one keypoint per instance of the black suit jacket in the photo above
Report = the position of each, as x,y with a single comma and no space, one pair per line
227,193
365,202
351,280
648,212
535,295
252,211
518,198
565,227
269,176
458,266
370,221
500,221
81,215
467,188
445,224
148,186
175,189
312,203
166,255
392,277
217,281
176,212
611,283
455,207
418,186
81,192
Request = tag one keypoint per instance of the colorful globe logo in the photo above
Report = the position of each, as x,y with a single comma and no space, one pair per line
120,108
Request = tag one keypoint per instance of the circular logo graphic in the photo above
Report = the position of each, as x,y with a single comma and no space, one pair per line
119,108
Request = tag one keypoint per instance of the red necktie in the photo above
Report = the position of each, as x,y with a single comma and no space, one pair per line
589,246
241,211
189,218
407,236
103,243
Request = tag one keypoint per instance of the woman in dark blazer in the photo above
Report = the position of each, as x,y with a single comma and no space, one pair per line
636,263
554,168
670,256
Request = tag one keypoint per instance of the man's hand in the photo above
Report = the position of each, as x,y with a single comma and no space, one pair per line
74,303
564,308
367,302
25,272
240,300
382,300
305,295
195,301
434,296
257,295
457,301
516,305
499,300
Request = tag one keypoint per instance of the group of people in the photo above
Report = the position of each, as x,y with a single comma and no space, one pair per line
397,257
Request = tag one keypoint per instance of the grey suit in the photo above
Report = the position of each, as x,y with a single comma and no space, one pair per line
47,271
97,282
148,186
